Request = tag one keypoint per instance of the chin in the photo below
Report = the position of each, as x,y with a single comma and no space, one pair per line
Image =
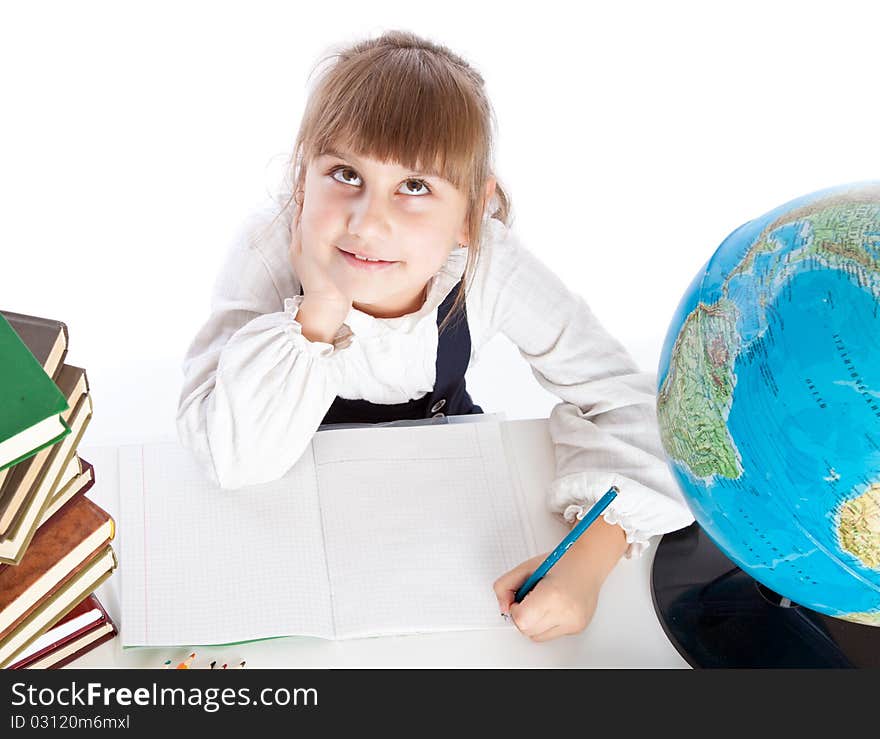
369,297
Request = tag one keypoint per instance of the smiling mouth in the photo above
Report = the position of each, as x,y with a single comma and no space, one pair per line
365,261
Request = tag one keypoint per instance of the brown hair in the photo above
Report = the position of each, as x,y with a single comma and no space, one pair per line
402,98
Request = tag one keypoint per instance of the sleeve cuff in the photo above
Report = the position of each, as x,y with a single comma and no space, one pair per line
641,512
341,340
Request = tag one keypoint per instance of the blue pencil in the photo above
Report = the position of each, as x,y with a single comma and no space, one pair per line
572,536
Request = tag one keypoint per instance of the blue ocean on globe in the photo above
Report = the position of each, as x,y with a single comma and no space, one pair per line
769,400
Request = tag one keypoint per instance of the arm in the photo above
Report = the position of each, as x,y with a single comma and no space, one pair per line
598,550
255,389
604,430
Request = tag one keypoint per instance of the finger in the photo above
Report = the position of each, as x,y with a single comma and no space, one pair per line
531,620
553,632
505,601
505,587
512,579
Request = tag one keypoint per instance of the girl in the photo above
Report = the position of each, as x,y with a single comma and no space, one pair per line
366,291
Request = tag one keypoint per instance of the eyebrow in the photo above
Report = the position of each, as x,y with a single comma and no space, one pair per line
352,158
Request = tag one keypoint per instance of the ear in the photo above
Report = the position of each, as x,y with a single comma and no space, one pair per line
488,192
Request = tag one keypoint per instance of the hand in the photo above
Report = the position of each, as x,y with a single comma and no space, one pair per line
325,303
563,602
312,267
565,599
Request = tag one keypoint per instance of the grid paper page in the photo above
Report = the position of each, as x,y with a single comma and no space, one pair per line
419,522
203,565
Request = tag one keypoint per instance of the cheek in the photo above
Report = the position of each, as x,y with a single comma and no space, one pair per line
319,221
427,243
323,206
429,260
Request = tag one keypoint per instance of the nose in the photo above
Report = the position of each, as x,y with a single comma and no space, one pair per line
368,218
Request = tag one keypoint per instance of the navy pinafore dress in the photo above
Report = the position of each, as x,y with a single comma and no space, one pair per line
449,396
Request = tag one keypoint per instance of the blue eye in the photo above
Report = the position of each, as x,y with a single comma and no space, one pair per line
408,184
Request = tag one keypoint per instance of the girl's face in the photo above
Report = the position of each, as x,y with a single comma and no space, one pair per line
410,220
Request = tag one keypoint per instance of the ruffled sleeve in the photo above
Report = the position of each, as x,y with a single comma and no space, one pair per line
604,430
255,389
595,451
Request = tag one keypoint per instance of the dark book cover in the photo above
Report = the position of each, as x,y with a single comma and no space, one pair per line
94,627
45,337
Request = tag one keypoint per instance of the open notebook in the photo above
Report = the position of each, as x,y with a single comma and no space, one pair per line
374,531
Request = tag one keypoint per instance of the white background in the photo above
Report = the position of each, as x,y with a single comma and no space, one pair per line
633,137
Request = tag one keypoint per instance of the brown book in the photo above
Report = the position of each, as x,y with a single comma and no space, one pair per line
65,544
85,627
32,484
71,591
47,340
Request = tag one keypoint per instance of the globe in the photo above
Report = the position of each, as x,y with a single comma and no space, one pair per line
768,400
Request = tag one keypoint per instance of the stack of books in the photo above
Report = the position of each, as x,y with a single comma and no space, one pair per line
54,541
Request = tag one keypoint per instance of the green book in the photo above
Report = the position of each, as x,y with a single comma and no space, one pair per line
30,403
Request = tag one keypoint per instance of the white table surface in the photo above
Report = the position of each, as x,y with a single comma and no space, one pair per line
624,631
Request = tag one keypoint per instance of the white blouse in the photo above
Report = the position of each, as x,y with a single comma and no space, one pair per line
255,389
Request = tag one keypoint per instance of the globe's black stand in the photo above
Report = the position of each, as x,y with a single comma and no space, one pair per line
716,615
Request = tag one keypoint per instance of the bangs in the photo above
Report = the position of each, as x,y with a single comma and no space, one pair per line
402,108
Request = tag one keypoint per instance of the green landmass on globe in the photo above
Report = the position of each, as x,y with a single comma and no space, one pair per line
868,619
843,225
703,357
837,232
859,527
